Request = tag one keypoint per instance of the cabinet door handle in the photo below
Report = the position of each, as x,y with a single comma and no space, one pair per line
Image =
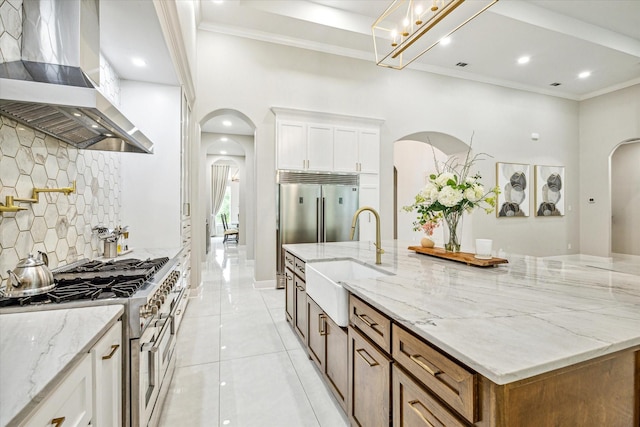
178,312
417,411
57,422
322,326
114,348
423,365
363,318
371,364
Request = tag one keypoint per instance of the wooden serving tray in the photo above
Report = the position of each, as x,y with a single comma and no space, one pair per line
464,257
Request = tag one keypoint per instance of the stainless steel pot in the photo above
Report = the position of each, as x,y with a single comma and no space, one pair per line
30,277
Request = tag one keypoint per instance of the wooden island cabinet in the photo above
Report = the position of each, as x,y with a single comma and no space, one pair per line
384,374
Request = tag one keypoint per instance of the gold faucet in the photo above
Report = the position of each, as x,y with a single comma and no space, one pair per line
9,206
36,191
379,250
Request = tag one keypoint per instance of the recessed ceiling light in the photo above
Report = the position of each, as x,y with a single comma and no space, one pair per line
226,123
584,74
445,41
223,152
224,139
524,59
139,62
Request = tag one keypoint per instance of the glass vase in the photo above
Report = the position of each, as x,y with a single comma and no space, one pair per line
453,234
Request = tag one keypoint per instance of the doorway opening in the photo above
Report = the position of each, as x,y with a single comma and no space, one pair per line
625,198
414,158
228,138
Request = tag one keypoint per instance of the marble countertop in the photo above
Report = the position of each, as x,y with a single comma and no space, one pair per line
510,322
38,348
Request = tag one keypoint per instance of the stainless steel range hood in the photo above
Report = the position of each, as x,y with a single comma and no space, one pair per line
53,89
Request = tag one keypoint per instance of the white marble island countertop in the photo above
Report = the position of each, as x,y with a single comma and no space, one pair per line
510,322
38,348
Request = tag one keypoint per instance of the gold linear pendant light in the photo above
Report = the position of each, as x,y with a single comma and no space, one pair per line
410,28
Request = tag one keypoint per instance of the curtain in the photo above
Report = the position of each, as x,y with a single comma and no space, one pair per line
219,176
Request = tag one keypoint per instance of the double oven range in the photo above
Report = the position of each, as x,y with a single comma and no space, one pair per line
153,292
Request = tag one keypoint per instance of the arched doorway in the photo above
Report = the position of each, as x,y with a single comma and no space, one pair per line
625,198
229,135
414,159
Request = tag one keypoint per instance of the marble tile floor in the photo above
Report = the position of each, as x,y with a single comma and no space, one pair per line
238,361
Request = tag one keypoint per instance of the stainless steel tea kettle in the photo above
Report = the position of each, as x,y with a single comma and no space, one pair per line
30,277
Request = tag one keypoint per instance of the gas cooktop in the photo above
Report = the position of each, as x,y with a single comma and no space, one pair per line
93,280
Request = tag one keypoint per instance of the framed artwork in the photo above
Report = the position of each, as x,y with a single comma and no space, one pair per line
513,181
549,190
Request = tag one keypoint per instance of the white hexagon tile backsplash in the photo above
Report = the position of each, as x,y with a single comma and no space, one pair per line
58,225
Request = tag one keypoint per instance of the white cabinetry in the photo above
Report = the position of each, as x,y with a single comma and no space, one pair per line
107,379
70,404
291,145
356,150
91,393
324,142
320,147
304,146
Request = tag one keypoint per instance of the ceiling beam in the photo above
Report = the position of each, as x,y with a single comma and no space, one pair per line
549,20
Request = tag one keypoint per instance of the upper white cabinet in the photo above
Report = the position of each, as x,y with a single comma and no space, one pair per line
291,142
304,146
320,147
356,150
326,142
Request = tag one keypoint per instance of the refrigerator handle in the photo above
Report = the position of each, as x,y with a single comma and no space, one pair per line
324,230
318,221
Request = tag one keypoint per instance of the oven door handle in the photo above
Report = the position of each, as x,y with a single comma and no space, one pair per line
158,341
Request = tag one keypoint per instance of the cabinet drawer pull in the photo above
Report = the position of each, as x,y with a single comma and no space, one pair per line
362,317
423,365
371,364
300,288
322,325
57,422
114,348
417,411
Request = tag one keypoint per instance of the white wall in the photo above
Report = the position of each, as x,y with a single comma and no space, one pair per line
151,183
605,122
251,76
625,199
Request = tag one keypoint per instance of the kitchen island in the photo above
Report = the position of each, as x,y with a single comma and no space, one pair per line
510,323
39,349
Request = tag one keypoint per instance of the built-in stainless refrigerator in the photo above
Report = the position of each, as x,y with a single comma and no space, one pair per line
314,207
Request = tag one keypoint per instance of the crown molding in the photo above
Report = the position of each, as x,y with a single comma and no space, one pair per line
170,24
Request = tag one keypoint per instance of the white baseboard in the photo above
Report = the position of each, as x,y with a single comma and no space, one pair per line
264,284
